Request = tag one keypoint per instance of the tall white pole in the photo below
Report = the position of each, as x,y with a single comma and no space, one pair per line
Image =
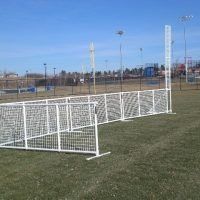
168,50
92,63
173,67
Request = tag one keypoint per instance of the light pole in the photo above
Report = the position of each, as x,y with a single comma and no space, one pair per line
184,19
45,75
83,73
54,72
27,78
106,62
141,56
120,33
141,65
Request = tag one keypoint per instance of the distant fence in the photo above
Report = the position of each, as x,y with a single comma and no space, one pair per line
34,88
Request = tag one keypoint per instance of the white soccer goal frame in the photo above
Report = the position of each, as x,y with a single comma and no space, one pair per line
107,108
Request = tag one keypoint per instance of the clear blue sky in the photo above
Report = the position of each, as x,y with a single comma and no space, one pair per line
58,32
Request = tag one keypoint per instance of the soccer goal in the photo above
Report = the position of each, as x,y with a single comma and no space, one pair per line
63,127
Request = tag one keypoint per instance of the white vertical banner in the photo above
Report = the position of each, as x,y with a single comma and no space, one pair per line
92,63
168,50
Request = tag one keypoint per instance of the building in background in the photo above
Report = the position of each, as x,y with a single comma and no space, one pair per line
151,69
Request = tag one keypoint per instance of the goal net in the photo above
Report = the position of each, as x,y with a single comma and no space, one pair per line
66,127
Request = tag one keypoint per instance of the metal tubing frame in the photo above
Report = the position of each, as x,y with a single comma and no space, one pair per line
97,139
153,101
139,108
58,126
47,112
25,130
122,106
106,109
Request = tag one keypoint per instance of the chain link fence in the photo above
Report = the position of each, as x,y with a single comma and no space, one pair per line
21,89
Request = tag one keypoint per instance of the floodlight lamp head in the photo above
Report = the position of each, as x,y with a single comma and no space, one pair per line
120,32
186,18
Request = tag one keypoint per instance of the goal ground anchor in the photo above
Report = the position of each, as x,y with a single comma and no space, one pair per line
97,156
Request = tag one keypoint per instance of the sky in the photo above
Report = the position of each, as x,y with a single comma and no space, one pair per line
58,33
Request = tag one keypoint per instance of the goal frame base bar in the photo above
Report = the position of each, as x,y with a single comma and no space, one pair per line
171,113
97,156
126,120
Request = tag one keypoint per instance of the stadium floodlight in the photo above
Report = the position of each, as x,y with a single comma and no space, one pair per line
184,19
120,33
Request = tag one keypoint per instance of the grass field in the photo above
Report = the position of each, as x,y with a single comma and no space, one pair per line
155,157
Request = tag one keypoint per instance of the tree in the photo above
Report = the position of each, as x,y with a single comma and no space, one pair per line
162,67
63,74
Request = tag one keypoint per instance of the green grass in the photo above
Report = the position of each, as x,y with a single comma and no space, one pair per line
155,157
